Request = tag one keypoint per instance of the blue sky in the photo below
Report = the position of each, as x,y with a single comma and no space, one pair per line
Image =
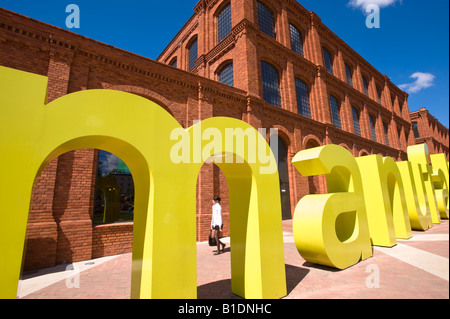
413,38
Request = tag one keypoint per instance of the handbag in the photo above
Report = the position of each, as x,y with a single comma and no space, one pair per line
211,240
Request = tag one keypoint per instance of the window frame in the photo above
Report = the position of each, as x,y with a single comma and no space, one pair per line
267,90
300,98
228,23
263,22
335,111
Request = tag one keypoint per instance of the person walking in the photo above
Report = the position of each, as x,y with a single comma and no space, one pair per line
217,224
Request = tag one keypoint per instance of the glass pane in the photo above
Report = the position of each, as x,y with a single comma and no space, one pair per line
193,54
328,60
303,98
224,23
335,111
226,75
266,20
114,190
270,84
296,40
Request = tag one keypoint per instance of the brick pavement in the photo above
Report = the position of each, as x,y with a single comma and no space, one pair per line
397,279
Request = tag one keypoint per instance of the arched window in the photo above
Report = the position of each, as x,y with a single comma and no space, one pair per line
328,60
224,23
335,111
266,20
356,120
303,98
173,62
296,39
193,53
226,75
270,84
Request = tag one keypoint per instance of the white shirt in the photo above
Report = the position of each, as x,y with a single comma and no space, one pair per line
216,215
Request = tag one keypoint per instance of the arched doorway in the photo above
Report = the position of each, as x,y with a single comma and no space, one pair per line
280,149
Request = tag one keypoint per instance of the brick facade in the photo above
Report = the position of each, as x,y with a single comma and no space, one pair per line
60,227
430,131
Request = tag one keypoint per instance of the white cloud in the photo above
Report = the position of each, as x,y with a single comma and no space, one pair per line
364,3
423,81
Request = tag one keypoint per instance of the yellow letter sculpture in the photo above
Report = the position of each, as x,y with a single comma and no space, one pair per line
440,182
332,229
416,199
138,131
384,195
418,155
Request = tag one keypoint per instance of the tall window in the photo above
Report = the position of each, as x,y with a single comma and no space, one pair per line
304,107
372,128
356,122
193,53
266,20
366,86
296,40
416,130
399,132
379,94
224,23
349,71
270,84
386,133
328,60
226,75
335,111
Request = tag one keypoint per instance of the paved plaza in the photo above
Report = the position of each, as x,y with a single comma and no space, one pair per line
414,269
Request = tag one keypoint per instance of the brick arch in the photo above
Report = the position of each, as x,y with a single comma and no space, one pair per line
346,147
146,93
310,138
363,152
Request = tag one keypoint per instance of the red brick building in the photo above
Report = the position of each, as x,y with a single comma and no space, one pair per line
280,67
428,130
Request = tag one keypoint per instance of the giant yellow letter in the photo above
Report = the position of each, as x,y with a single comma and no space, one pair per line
419,154
384,194
164,235
332,229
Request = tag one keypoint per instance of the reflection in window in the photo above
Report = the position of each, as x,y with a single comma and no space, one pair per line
224,23
226,75
114,190
270,84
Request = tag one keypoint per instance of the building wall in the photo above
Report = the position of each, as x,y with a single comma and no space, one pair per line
430,132
60,227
